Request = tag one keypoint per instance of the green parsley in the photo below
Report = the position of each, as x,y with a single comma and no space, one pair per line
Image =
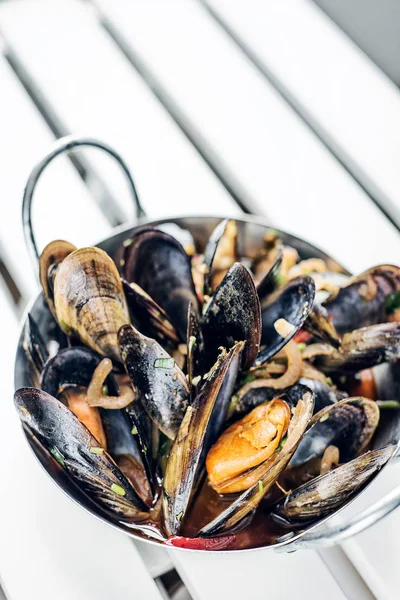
281,444
179,516
388,403
329,381
280,279
95,450
324,417
126,243
134,431
192,344
301,346
117,489
164,363
392,302
57,455
261,487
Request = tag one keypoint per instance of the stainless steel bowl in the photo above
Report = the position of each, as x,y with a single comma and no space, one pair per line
250,239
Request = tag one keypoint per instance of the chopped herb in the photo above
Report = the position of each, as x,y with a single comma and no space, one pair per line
122,262
196,380
179,516
280,279
301,346
164,363
392,302
206,304
248,378
261,487
281,444
343,379
144,448
388,403
192,344
117,489
329,381
134,431
65,327
94,450
57,455
324,418
126,243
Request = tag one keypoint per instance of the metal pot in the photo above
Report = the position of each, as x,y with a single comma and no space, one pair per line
251,231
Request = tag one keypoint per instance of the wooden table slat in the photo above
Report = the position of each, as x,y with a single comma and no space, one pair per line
269,149
352,104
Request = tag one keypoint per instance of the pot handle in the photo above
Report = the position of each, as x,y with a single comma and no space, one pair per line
323,537
66,144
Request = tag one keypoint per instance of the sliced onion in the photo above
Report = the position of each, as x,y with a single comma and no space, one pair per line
95,395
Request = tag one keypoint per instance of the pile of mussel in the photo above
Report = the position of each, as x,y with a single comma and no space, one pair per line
174,374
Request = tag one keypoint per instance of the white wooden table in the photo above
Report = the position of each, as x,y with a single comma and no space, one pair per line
218,107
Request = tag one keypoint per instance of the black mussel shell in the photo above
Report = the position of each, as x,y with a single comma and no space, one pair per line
78,452
158,263
362,301
362,349
147,316
233,315
327,493
293,303
324,394
195,348
199,430
240,406
320,325
214,244
158,382
35,347
271,280
73,366
349,425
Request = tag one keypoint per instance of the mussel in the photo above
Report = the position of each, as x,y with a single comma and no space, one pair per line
89,300
49,261
326,493
158,263
79,453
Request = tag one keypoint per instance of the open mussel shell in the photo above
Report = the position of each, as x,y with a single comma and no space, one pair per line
241,405
349,425
293,303
158,382
75,367
147,316
35,349
363,300
362,349
319,324
78,453
89,300
199,430
233,315
327,493
52,255
195,347
324,394
267,473
220,254
270,281
160,266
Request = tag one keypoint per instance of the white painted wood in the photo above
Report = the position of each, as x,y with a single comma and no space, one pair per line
250,130
49,547
349,100
259,574
91,88
376,552
62,204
